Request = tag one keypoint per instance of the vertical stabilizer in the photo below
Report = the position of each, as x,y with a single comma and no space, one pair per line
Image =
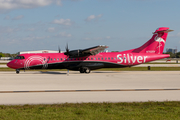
156,43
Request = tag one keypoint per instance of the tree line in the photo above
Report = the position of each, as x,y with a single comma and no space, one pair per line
173,55
8,54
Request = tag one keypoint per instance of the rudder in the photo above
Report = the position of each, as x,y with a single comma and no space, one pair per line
156,43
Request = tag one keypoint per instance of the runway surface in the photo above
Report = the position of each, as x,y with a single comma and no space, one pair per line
99,86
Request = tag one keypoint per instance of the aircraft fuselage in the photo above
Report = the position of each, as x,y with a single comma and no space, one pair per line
101,60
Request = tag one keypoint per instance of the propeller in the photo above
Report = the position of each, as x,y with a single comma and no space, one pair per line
59,49
67,50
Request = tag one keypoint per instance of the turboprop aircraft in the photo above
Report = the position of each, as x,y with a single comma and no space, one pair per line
85,60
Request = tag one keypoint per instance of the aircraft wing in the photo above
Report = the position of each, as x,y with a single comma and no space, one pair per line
86,52
94,50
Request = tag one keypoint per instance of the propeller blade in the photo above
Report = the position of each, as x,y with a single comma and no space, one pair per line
67,49
59,49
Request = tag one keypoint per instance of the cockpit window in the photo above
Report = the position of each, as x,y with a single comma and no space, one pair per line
19,57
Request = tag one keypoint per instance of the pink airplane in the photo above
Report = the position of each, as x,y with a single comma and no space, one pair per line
85,60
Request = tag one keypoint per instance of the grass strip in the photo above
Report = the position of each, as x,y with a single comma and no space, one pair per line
160,63
141,69
92,111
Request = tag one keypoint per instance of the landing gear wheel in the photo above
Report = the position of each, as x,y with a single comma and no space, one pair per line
17,71
87,70
81,70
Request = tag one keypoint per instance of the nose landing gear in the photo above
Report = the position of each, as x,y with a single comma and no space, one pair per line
17,71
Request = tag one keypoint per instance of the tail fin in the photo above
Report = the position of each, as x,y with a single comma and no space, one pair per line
156,43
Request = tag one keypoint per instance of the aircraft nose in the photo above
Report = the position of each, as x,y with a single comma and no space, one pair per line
9,64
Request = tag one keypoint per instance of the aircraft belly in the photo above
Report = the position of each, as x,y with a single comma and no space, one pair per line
112,65
77,65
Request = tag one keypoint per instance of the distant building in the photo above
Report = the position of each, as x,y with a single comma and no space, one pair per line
40,51
171,50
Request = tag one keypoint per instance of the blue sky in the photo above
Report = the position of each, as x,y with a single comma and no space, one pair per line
27,25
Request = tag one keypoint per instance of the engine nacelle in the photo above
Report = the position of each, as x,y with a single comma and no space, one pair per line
75,53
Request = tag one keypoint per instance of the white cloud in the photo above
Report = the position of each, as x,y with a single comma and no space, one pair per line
30,29
87,38
93,17
15,4
66,22
33,38
8,30
52,29
108,37
98,38
64,34
18,17
7,17
175,35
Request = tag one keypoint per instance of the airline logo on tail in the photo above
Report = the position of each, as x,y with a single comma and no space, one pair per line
159,39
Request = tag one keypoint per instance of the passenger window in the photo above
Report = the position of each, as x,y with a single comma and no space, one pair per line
61,59
51,59
54,59
94,58
112,58
108,58
58,59
91,58
115,58
98,58
102,58
105,58
64,58
88,58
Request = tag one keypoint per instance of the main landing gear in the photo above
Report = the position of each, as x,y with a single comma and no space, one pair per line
17,71
85,70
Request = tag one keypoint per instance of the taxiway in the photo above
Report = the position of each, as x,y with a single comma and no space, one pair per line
35,87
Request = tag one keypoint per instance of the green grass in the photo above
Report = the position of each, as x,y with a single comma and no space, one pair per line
3,63
141,69
112,69
93,111
160,63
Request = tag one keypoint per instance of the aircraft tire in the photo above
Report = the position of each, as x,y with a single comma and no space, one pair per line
17,71
87,70
82,70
